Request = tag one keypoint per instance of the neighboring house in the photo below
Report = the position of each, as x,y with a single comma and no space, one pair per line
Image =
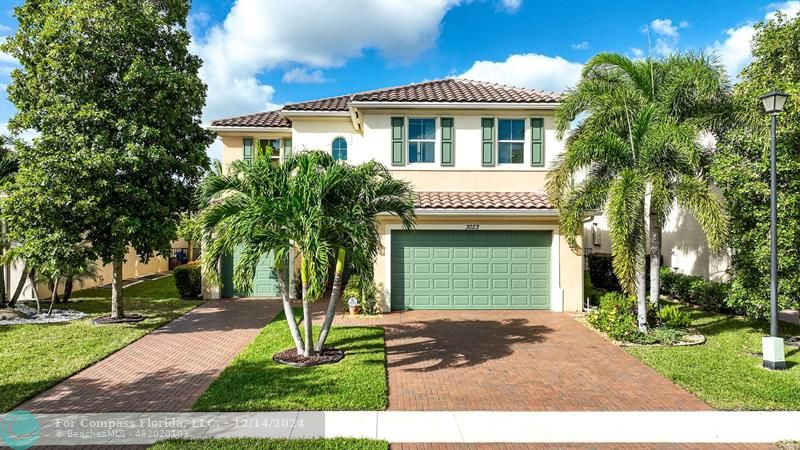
477,154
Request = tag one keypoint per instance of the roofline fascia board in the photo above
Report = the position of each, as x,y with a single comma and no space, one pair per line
251,129
545,212
305,113
450,105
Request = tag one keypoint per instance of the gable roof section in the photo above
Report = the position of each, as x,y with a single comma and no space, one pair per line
450,90
270,119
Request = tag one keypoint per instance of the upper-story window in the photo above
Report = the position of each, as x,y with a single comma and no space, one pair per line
510,141
339,149
421,140
271,148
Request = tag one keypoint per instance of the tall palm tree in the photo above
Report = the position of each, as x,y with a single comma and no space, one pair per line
308,202
637,152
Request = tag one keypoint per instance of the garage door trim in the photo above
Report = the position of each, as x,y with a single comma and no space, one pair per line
556,297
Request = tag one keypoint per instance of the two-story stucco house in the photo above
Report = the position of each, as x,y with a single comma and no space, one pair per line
477,154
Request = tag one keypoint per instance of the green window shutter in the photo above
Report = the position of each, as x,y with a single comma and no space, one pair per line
247,149
398,142
287,147
537,142
487,141
448,150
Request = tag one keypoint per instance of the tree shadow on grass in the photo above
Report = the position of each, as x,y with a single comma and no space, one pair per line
438,344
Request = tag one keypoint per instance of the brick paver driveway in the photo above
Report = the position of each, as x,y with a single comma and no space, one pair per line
165,370
514,361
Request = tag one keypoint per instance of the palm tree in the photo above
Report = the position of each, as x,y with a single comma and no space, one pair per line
308,202
637,152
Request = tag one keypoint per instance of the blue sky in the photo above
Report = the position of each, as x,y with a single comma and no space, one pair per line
260,54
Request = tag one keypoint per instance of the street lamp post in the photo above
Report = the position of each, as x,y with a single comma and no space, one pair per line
772,345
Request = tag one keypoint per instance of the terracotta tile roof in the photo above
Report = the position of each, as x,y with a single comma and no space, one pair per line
482,200
263,119
456,90
451,90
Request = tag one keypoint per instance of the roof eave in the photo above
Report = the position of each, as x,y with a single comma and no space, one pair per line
235,129
317,113
453,105
541,212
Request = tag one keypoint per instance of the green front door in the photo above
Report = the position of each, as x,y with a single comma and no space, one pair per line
452,269
265,283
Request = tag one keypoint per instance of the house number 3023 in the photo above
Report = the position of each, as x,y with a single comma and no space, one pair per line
473,226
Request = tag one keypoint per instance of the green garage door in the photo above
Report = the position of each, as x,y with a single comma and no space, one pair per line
470,269
265,283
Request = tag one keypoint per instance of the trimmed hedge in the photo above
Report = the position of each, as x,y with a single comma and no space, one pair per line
708,295
187,280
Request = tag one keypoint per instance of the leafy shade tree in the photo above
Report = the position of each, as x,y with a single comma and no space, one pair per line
115,95
325,209
8,169
636,153
742,170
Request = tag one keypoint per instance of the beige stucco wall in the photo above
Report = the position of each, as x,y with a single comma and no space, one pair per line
232,143
683,246
568,292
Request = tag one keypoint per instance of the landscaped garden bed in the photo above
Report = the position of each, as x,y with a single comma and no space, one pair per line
34,357
255,382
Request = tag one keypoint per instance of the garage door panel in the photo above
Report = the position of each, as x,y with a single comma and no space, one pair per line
470,269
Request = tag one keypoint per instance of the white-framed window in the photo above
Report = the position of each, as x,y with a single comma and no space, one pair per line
271,148
510,141
339,149
421,140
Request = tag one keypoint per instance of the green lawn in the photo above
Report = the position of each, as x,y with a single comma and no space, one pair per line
273,444
724,372
254,382
35,357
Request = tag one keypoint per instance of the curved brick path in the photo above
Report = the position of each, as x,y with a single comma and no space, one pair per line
165,370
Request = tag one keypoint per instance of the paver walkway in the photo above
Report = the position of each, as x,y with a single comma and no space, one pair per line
514,361
167,369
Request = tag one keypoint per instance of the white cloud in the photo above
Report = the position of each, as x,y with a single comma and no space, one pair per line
26,135
5,28
580,46
666,34
664,27
258,36
511,6
734,51
528,70
637,52
298,75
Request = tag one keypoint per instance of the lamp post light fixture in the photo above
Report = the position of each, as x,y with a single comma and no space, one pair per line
772,345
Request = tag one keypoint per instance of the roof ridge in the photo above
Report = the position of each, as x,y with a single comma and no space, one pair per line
372,91
507,86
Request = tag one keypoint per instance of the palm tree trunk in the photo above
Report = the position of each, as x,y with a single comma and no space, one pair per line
641,286
287,309
20,285
334,300
117,310
307,324
655,261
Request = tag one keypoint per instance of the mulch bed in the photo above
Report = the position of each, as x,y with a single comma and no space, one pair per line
291,358
793,341
107,320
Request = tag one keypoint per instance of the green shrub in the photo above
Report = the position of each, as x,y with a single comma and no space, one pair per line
616,316
708,295
659,335
187,280
364,291
672,317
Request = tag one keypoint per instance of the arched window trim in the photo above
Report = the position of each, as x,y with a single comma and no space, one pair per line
333,147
